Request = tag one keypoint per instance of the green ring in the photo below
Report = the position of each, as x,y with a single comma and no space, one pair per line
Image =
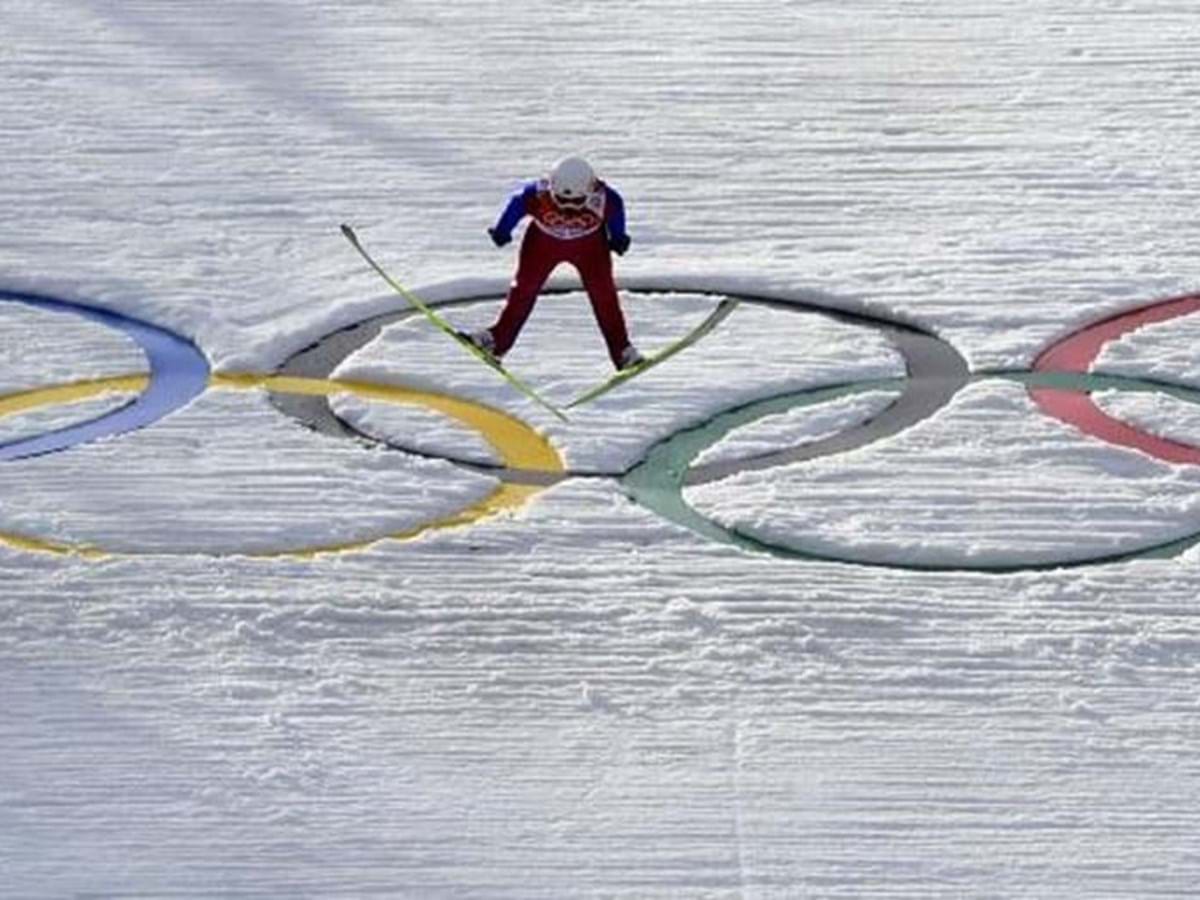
658,481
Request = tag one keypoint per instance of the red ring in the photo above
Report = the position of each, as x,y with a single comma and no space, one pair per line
1077,352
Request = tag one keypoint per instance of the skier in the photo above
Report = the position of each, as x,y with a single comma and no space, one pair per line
577,219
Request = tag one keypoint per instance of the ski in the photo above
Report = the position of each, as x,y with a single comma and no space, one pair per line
441,324
714,318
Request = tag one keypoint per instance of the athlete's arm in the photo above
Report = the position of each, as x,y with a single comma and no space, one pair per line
614,221
514,212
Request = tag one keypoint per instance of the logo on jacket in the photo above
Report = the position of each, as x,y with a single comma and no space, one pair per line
567,224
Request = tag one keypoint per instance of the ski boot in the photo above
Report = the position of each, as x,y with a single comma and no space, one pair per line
630,358
481,340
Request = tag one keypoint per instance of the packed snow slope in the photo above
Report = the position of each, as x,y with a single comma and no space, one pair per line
580,697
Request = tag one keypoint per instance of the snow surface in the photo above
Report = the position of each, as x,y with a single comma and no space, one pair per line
225,476
414,428
582,699
44,348
1167,417
1164,351
22,425
1038,492
612,433
797,427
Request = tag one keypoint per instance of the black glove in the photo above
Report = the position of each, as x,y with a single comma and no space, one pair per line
499,238
618,243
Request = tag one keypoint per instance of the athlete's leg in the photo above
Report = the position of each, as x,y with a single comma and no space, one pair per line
594,262
537,259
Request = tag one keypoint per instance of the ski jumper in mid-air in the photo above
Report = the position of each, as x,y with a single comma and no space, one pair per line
577,219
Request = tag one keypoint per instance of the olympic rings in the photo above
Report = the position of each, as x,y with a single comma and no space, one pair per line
515,442
658,482
1078,351
936,372
178,374
1059,383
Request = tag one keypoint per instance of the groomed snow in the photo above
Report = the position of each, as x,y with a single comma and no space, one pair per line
562,353
51,418
1038,493
582,699
228,475
43,348
413,428
1155,414
797,427
1164,351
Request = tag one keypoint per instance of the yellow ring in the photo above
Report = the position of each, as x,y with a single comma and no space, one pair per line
517,444
25,401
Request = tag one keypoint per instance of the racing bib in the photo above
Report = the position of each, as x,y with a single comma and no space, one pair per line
567,223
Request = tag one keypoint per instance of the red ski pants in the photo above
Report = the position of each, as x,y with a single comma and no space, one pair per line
540,255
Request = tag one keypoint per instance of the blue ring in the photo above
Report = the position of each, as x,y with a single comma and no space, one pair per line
178,374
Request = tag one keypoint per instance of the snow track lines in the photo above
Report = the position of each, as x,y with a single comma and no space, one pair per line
317,363
515,442
936,371
178,373
1077,353
1060,383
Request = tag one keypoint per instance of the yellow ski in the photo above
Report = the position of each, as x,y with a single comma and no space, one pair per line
442,325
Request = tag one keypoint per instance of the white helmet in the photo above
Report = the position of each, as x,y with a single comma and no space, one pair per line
572,179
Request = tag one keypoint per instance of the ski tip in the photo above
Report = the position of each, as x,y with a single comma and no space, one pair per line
348,232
